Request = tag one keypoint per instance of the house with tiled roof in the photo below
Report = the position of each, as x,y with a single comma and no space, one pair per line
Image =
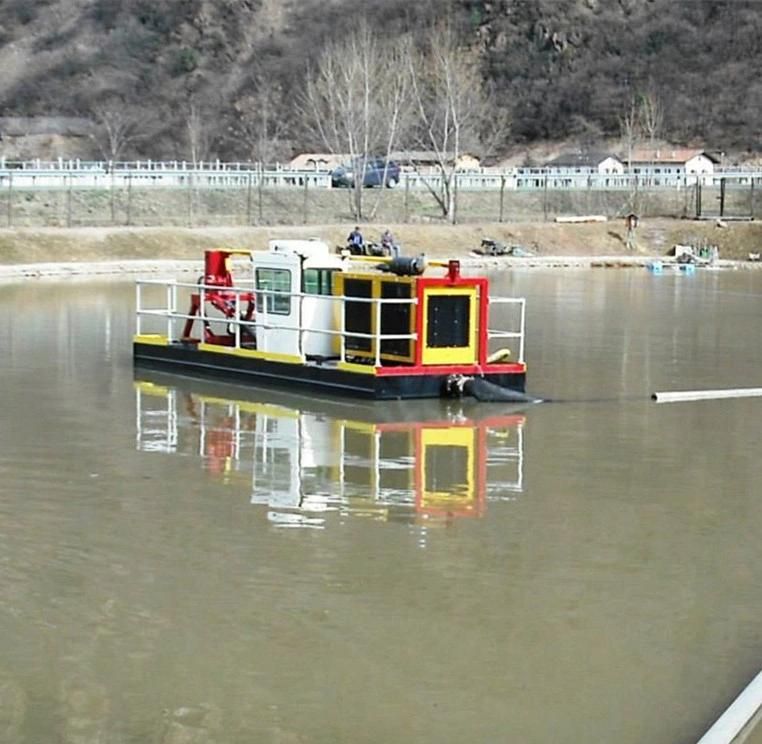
668,163
583,162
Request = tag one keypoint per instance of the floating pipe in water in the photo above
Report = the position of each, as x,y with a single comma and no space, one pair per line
686,395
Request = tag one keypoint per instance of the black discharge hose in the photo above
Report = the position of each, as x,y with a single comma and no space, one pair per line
486,391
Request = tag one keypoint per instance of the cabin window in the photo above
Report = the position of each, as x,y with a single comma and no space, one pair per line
317,281
274,280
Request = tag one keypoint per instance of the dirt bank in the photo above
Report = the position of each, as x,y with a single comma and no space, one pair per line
653,238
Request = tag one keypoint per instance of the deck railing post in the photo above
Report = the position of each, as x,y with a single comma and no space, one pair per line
237,318
138,316
523,325
342,331
202,306
377,333
300,297
171,293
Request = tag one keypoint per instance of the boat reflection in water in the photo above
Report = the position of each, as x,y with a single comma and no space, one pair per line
413,461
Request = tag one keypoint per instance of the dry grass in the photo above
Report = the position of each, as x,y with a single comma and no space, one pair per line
654,238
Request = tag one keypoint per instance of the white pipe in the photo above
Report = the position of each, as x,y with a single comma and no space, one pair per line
742,710
683,395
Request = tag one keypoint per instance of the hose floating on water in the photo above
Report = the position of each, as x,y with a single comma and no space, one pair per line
484,390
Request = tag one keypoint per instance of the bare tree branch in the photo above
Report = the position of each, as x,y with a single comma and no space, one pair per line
115,128
354,100
651,114
452,107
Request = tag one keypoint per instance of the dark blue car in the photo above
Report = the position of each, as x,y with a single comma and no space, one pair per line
378,172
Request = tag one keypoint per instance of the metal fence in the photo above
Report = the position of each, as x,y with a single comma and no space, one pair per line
147,193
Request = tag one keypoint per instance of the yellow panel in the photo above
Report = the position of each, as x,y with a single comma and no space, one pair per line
269,356
150,388
364,369
246,406
458,436
451,354
154,339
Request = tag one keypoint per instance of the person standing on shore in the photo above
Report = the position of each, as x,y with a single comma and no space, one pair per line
631,222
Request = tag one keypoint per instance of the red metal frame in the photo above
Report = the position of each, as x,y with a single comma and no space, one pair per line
217,274
454,279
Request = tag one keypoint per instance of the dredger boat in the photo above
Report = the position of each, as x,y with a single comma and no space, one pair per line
302,315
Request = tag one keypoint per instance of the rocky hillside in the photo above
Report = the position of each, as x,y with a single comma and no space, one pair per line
176,74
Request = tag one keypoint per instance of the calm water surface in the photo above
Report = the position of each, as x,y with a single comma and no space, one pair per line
188,562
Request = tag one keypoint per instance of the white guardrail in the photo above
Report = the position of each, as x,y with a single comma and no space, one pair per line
81,174
166,315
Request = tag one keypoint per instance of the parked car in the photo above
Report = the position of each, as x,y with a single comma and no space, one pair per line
378,172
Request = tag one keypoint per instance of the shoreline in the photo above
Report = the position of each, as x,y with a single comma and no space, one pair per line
34,253
163,268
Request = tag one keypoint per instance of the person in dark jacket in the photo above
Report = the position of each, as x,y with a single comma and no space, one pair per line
355,241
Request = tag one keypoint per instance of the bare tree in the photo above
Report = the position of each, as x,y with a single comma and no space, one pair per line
115,128
629,129
651,116
198,133
452,107
354,100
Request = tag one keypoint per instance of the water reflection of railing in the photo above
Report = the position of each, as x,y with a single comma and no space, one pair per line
302,463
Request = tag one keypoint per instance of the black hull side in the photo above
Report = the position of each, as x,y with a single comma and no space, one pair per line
323,378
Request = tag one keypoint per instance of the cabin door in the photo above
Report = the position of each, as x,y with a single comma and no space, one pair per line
277,286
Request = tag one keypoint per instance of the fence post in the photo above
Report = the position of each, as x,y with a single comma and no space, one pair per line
305,210
260,186
190,199
111,195
10,199
722,197
698,197
129,199
502,197
589,198
406,201
68,200
751,197
248,199
545,198
455,199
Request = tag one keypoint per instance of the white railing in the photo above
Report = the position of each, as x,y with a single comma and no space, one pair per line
519,334
170,314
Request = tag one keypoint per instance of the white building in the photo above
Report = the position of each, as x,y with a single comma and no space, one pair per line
663,164
573,169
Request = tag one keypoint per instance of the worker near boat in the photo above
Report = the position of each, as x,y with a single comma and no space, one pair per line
386,245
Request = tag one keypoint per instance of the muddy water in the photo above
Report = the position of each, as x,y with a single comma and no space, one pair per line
186,562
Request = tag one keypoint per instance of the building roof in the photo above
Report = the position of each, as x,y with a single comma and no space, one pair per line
317,161
427,156
668,155
580,159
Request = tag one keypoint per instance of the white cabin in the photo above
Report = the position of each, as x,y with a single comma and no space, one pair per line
293,282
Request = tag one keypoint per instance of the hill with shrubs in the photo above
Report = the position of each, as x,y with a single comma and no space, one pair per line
175,78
